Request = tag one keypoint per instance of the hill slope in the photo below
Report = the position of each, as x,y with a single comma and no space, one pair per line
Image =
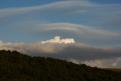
15,66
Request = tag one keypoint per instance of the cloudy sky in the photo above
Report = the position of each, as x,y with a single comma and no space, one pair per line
91,29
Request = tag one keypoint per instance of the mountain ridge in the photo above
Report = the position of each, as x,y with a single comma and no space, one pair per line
15,66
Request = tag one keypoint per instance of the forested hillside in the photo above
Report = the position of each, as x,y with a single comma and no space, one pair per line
15,66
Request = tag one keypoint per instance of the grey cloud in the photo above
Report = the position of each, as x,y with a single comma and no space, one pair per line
87,53
75,28
69,50
81,53
48,7
103,14
102,63
71,6
114,62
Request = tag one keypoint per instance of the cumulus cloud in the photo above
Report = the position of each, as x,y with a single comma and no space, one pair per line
57,39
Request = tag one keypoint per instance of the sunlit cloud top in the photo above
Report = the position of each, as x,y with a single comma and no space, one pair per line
57,39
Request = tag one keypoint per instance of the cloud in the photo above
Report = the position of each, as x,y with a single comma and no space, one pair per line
106,16
49,46
91,22
102,14
104,63
76,61
72,51
70,6
58,40
117,62
47,7
63,48
74,28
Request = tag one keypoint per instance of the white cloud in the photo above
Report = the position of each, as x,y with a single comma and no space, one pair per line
57,39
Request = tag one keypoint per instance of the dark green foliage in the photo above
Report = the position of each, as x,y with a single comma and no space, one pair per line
15,66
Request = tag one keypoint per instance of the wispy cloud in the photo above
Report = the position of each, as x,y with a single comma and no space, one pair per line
109,14
95,21
74,28
73,6
47,7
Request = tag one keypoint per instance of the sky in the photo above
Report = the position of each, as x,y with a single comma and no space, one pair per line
86,24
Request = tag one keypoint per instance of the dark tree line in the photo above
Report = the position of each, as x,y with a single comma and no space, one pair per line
15,66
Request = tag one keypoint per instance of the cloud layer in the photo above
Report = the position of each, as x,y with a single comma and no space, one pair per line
68,49
76,28
44,8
